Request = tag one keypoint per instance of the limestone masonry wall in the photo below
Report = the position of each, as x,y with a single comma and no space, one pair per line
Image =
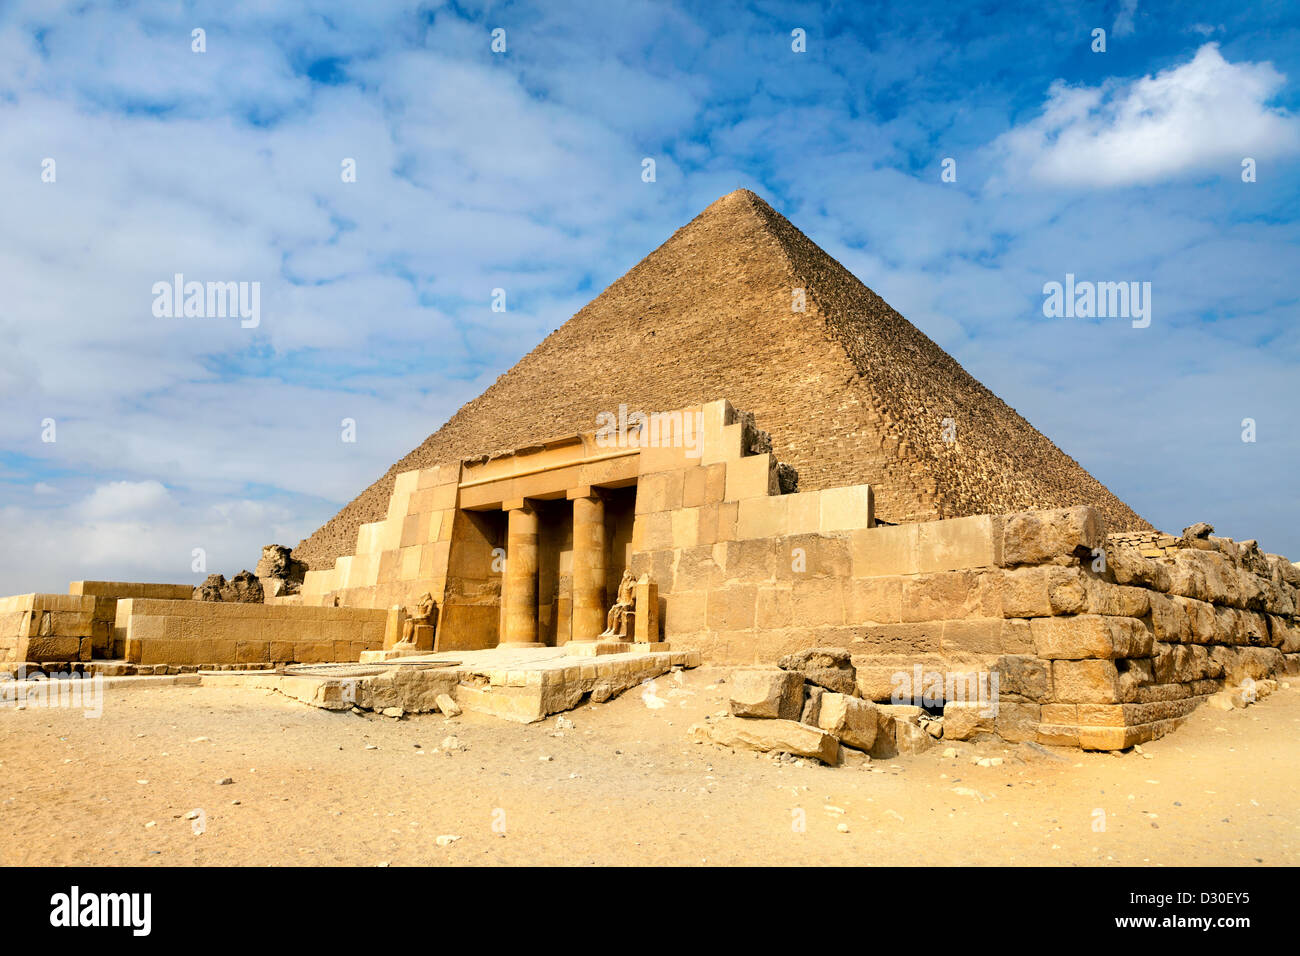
106,595
1093,643
46,627
205,633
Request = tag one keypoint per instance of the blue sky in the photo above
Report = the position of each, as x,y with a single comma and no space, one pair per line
522,170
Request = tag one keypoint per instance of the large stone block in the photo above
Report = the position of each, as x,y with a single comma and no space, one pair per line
975,635
1087,681
762,517
1129,566
964,720
851,720
951,594
766,692
885,549
1090,636
828,667
774,607
751,477
873,600
804,512
817,601
684,612
958,543
847,509
661,491
783,736
1038,537
1022,675
732,608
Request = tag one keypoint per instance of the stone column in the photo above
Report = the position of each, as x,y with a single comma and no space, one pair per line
589,560
519,589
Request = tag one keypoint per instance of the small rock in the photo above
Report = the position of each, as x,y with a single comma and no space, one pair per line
392,712
448,706
446,839
452,743
225,780
842,827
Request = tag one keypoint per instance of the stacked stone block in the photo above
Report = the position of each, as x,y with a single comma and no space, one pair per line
38,628
216,633
399,558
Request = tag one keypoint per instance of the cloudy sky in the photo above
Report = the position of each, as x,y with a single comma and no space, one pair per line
522,169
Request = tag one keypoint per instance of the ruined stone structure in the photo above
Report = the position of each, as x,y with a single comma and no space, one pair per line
851,392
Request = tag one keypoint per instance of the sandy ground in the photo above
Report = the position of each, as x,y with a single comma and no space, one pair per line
622,786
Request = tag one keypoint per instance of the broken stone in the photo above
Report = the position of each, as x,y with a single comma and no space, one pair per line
828,667
853,721
392,712
243,588
1200,531
781,736
448,706
279,571
766,692
1039,537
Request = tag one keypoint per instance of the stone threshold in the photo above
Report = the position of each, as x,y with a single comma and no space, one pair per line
519,684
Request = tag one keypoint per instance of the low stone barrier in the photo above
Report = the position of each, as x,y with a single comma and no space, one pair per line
216,633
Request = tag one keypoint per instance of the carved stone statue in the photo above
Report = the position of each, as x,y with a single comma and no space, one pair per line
616,621
422,613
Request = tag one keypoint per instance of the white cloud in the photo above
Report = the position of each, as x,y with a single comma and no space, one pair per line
1204,114
125,499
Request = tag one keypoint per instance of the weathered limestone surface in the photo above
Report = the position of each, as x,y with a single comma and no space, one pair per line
850,720
766,692
784,736
107,594
828,667
46,627
201,632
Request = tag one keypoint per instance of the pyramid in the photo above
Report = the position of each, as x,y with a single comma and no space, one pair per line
850,391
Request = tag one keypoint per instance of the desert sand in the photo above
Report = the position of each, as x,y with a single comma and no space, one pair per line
622,785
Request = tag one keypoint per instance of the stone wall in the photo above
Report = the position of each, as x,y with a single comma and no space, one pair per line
210,633
106,595
46,627
1092,643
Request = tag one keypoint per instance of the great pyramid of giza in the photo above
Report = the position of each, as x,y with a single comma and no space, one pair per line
850,391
